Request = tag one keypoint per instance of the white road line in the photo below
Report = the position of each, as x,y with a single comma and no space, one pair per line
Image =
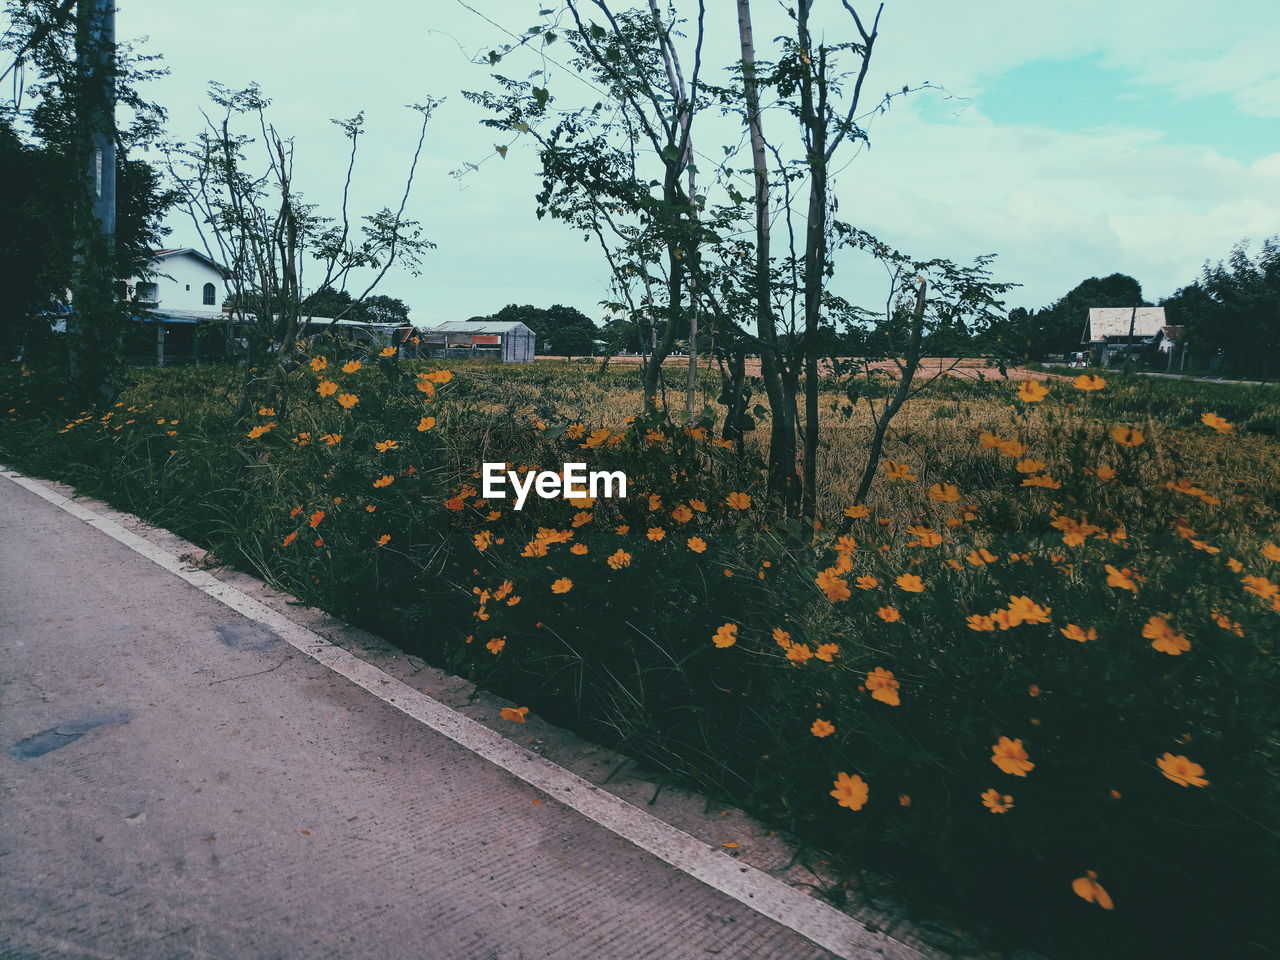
823,924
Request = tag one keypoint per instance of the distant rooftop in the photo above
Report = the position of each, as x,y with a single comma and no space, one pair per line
1115,322
478,326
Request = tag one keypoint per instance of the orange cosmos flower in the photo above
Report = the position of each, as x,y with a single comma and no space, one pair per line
1031,392
989,441
383,540
426,423
1073,632
316,518
1127,436
514,714
332,439
781,637
981,557
883,686
822,729
1091,891
384,481
348,400
289,539
826,652
619,559
382,446
1011,757
738,501
495,645
1217,423
426,386
387,352
1260,586
438,376
993,801
899,471
1025,610
319,363
697,544
1164,638
1123,578
981,623
835,588
655,502
682,514
726,635
889,614
851,792
799,652
1182,771
867,583
1086,382
656,533
856,512
910,583
563,585
944,492
326,388
352,366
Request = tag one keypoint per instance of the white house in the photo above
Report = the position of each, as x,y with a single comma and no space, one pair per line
182,279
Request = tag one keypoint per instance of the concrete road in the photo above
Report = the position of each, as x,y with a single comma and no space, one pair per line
176,781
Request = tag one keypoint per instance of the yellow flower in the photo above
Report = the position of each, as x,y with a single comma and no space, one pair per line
383,540
993,801
799,652
655,502
1031,392
889,614
867,583
348,400
835,588
822,729
656,533
910,583
426,423
981,623
739,501
384,481
826,652
351,366
883,686
682,514
259,430
438,376
1102,472
944,492
1030,466
1011,757
426,386
1217,423
1260,586
382,446
1271,551
899,471
1086,382
495,645
726,635
387,352
1182,771
578,549
331,439
563,585
514,714
1123,578
1091,891
319,363
1127,436
619,559
781,637
856,512
326,388
262,412
988,440
1164,638
1025,610
697,544
851,792
1073,632
699,505
981,557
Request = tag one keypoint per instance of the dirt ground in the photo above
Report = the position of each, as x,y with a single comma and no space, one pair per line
973,368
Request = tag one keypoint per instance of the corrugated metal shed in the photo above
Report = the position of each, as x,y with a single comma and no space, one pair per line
1114,322
508,340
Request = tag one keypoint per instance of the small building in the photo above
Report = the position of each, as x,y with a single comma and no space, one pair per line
1113,332
182,279
507,340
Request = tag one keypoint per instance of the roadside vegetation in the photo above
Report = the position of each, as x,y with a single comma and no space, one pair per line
1031,681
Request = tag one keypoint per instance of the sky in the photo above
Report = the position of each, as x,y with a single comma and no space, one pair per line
1071,138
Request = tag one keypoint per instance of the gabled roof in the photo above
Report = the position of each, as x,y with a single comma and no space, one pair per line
1115,322
479,326
179,251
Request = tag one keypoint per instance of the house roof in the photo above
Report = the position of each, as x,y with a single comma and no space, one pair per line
1115,322
479,326
167,252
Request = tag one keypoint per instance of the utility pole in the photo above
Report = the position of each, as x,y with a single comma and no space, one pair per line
94,336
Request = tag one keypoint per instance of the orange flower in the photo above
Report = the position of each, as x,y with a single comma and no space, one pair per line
514,714
856,512
993,801
258,431
826,652
1164,638
1182,771
387,352
656,533
944,492
883,686
781,637
1261,587
822,729
697,544
1217,423
495,645
726,635
889,614
348,400
563,585
738,501
1123,578
682,514
426,423
318,363
289,539
981,623
438,376
910,583
1127,436
1086,382
799,652
352,366
619,559
1031,392
316,518
899,471
1091,891
331,439
383,540
981,557
1011,757
867,583
1025,610
1072,632
851,792
384,481
326,388
835,589
426,386
382,446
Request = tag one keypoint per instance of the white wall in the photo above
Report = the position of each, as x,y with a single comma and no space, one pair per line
180,281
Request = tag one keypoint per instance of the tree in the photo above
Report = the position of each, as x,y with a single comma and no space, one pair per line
238,189
570,342
545,322
1233,311
1060,327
